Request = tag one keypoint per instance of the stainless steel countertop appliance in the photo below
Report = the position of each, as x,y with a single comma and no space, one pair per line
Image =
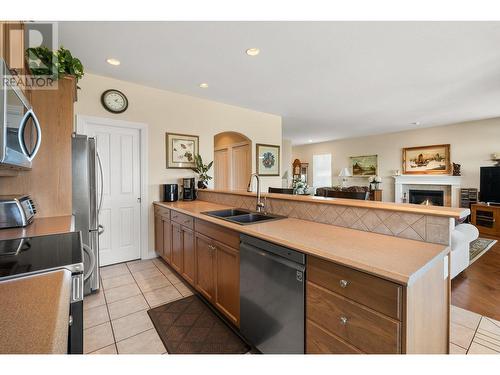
34,255
20,132
188,189
87,201
16,211
272,291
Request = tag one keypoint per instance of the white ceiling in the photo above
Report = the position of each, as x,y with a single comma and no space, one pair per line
328,80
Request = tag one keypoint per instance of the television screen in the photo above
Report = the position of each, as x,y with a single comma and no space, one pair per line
490,184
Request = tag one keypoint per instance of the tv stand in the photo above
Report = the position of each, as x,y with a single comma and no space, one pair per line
486,217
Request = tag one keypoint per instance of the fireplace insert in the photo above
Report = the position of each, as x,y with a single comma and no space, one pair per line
427,197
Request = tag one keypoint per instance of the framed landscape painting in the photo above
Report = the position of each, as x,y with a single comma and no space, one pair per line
268,160
364,165
427,160
181,149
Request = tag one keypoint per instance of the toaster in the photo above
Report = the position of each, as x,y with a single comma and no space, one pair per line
16,211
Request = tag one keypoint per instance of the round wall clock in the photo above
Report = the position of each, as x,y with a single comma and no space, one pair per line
114,101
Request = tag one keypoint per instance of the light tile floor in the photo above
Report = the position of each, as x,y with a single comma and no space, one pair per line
472,333
115,319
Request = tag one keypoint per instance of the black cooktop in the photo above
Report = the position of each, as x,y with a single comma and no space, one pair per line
37,254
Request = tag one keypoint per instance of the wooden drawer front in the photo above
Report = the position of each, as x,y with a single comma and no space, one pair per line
221,234
319,341
182,219
379,294
367,330
162,211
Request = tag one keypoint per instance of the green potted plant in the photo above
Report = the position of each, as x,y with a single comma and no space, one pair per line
202,170
56,64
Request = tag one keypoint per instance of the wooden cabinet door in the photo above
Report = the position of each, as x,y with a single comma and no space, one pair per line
221,168
167,241
241,166
188,256
227,281
13,45
177,244
159,235
3,46
205,256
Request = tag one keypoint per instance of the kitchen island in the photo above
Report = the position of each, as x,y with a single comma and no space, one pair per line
366,292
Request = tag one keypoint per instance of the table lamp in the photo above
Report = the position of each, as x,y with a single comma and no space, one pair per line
344,173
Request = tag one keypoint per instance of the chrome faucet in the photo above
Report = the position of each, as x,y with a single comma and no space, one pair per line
259,205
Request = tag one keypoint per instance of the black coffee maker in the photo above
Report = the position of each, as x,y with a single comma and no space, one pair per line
188,189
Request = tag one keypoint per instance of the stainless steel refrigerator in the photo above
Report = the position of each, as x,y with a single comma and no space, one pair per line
87,200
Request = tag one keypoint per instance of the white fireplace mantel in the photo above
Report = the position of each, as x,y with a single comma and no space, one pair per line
444,180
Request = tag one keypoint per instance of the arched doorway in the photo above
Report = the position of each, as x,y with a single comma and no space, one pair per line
232,160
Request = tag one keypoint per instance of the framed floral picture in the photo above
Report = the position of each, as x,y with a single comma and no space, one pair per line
268,160
181,149
427,160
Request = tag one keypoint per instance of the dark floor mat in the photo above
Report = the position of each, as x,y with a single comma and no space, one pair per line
189,326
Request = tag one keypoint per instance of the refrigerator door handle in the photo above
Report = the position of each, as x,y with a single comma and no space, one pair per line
88,272
101,182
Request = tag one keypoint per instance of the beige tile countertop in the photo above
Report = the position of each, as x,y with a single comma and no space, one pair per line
34,314
452,212
40,227
396,259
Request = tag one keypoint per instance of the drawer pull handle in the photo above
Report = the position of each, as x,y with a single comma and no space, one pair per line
344,283
343,320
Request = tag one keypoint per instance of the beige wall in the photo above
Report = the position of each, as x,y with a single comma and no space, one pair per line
472,144
165,111
286,160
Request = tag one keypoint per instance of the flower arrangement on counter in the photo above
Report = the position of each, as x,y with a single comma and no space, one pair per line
375,182
299,186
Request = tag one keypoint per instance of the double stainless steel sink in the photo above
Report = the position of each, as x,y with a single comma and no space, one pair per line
242,216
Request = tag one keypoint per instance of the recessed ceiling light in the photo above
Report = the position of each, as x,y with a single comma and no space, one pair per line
113,61
253,51
203,85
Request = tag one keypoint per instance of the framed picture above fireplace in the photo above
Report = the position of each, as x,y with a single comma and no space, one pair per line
427,160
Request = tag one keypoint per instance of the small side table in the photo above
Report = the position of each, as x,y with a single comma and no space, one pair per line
376,195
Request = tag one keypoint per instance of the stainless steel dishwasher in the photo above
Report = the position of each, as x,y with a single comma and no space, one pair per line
272,280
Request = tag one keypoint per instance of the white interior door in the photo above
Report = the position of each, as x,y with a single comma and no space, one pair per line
120,214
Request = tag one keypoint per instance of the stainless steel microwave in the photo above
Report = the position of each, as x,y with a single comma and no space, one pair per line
20,133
